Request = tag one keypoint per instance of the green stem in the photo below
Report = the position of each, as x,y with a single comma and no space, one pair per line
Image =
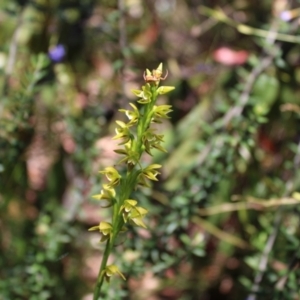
144,123
127,186
117,224
100,279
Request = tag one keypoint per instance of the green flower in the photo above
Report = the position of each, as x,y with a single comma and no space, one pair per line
107,193
105,228
165,89
148,173
136,216
111,270
112,175
123,132
127,207
133,213
131,157
133,116
160,112
145,94
136,137
152,140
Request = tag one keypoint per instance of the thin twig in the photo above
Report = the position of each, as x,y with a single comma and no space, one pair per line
12,55
271,240
248,30
10,61
265,256
123,45
122,25
250,203
277,221
244,98
266,61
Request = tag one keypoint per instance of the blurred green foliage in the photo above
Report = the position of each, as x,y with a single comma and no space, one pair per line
224,222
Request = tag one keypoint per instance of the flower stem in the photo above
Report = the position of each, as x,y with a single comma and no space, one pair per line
120,187
100,279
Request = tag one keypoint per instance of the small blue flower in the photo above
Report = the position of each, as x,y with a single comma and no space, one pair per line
286,16
57,53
